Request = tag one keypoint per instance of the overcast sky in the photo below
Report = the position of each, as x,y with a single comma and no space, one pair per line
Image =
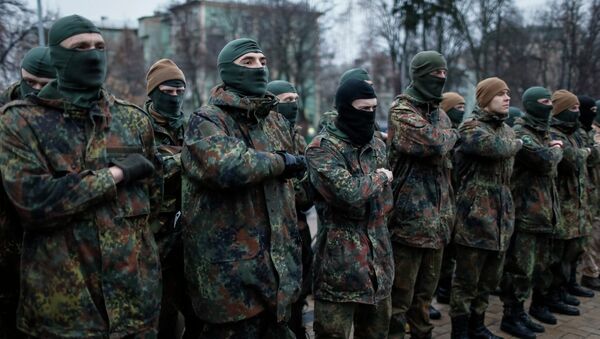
126,12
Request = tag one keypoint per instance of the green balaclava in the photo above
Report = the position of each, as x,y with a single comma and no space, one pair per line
355,73
37,62
169,106
242,80
80,74
426,88
288,109
538,114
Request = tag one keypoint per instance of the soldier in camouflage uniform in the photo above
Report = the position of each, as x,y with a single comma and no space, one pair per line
537,216
165,87
289,107
419,143
571,184
353,268
484,208
242,259
76,167
35,67
591,258
36,72
454,106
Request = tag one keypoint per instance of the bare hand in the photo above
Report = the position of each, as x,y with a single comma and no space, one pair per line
387,173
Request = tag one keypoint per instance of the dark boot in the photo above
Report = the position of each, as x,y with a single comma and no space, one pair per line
434,313
460,327
574,288
589,282
567,298
541,313
532,325
513,324
556,305
477,329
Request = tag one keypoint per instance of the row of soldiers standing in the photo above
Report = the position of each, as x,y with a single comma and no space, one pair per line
92,185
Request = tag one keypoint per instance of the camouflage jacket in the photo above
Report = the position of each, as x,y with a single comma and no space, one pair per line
419,143
533,183
13,92
353,260
571,182
485,213
301,186
593,163
237,211
89,265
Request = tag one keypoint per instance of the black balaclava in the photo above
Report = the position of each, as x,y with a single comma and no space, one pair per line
357,124
586,114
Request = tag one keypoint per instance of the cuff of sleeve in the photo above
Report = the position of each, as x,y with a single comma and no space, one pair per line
277,164
105,183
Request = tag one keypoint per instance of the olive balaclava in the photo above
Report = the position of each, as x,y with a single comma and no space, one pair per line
242,80
563,117
80,74
426,88
288,109
586,112
513,114
538,114
37,62
451,99
357,124
355,73
166,72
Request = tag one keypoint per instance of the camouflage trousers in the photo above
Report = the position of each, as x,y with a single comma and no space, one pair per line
417,272
591,257
527,267
261,326
448,265
335,320
478,273
567,252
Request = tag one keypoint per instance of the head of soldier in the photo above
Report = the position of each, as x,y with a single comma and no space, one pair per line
537,102
428,72
355,73
77,52
243,68
36,71
288,100
587,111
493,98
565,107
357,105
454,105
165,86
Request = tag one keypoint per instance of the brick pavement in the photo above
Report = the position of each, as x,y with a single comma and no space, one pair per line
587,325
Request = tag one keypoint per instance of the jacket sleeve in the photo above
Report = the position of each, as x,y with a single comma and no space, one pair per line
219,160
573,158
414,135
538,158
42,199
329,176
477,140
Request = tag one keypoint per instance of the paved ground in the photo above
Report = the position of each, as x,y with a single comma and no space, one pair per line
585,326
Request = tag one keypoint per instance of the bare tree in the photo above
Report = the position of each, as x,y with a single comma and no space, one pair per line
126,71
17,35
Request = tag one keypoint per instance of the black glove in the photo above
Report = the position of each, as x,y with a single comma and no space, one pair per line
135,166
295,165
